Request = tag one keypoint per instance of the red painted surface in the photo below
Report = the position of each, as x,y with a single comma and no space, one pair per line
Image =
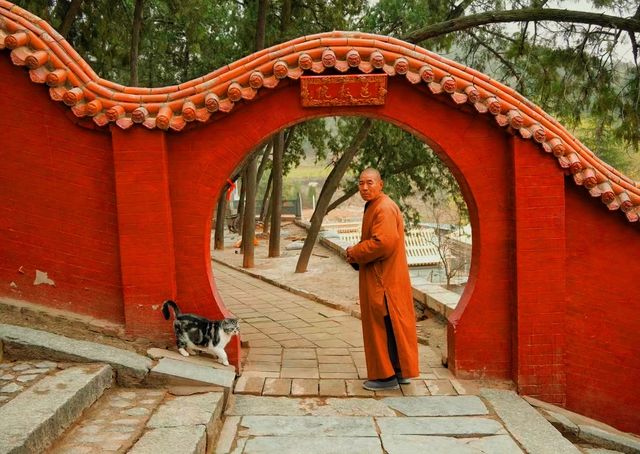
603,313
544,254
57,204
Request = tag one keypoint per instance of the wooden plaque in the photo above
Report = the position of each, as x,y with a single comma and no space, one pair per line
343,90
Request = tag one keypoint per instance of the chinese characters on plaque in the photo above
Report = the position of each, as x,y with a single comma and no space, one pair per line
349,90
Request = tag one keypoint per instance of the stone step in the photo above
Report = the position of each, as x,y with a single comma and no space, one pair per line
20,342
113,423
246,405
170,371
183,425
33,419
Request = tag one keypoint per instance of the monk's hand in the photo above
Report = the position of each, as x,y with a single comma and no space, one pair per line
349,256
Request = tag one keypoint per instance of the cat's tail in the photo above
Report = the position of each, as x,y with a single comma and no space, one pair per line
165,309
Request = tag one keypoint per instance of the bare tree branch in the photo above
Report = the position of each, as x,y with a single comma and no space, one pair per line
631,25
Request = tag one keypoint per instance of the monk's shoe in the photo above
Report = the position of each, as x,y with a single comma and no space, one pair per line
381,385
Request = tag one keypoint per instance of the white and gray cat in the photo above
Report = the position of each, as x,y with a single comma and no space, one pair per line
198,333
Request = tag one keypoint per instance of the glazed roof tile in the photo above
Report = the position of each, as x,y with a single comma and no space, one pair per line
51,60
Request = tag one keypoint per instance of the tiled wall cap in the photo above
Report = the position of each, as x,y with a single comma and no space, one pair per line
280,69
353,58
56,77
234,92
212,102
73,96
37,59
189,111
139,115
256,80
329,58
17,39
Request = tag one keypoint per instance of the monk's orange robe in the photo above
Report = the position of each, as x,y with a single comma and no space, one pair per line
384,272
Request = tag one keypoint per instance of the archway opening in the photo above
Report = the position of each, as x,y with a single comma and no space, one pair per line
437,232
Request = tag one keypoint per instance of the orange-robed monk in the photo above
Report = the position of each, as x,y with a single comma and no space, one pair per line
386,298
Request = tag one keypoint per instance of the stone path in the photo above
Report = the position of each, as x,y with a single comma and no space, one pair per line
444,424
298,347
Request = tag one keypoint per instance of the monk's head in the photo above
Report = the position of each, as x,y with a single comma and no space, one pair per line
370,184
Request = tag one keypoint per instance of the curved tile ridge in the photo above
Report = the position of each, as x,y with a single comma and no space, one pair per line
51,60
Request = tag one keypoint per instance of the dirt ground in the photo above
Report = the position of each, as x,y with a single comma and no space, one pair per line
328,275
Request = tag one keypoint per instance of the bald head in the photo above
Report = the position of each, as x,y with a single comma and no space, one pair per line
370,171
370,184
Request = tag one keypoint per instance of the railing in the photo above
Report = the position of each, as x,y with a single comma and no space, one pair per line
418,242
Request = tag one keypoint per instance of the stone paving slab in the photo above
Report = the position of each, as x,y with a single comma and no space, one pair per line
17,376
171,371
246,405
469,426
172,440
316,426
310,444
533,432
437,405
27,343
34,418
412,444
182,411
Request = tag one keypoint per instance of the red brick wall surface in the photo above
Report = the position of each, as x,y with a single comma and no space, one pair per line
57,204
539,363
603,312
121,220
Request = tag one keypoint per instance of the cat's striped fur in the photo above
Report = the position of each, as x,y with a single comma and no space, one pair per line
198,333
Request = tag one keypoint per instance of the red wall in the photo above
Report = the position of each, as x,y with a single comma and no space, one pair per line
57,204
121,220
603,312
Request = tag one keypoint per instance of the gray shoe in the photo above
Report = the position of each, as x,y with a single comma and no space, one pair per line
402,380
380,385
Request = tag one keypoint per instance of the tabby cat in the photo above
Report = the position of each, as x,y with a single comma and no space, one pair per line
198,333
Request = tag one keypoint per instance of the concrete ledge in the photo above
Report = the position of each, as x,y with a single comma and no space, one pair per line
528,427
36,417
587,429
20,342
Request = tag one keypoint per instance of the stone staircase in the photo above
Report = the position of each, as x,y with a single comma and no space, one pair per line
91,398
59,395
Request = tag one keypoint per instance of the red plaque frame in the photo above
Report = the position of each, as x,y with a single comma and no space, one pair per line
343,90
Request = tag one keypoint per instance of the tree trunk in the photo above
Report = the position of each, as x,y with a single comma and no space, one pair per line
266,198
261,24
251,172
70,17
263,161
285,16
135,43
343,198
221,211
249,222
328,189
241,201
267,218
276,195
